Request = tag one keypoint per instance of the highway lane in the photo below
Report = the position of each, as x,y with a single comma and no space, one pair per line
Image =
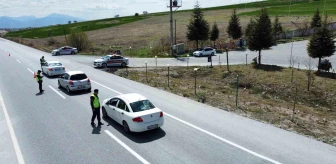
277,55
180,142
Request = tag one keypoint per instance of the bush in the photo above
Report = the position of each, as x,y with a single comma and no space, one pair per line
51,41
136,14
79,40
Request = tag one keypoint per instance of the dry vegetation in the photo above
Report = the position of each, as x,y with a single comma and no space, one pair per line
265,94
154,31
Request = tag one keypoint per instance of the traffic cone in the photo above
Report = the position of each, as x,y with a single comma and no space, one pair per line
8,54
34,75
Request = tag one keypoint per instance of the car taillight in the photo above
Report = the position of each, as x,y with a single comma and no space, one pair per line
137,119
50,69
161,114
88,80
71,83
63,68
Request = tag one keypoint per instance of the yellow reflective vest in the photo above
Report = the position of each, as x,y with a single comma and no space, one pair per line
96,103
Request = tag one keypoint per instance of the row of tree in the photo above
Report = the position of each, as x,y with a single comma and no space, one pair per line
261,33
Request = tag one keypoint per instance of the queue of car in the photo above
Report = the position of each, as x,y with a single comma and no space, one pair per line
134,112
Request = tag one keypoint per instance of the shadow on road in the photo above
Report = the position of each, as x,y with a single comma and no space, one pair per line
74,93
96,129
142,137
271,68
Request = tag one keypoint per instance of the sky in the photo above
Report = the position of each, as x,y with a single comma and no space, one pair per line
98,9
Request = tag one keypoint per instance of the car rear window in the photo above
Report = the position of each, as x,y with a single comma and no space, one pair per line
141,105
78,77
55,64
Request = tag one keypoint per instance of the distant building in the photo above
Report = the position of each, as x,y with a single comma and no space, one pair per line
145,13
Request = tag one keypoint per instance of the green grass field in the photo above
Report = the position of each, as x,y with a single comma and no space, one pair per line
275,7
298,8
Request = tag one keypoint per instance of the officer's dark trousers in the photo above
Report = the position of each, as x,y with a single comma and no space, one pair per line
40,85
96,113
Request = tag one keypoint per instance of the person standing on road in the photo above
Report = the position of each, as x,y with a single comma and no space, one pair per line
95,106
39,80
42,61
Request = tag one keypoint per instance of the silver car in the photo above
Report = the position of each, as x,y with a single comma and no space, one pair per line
53,68
111,60
74,81
66,50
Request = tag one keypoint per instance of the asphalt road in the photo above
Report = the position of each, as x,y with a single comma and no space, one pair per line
276,55
54,127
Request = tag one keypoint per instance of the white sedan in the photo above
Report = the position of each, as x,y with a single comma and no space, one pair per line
206,51
66,50
133,111
53,68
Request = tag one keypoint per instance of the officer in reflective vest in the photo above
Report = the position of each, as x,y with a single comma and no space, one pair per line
95,106
39,80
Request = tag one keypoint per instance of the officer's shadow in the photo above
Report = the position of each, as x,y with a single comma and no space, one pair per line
96,129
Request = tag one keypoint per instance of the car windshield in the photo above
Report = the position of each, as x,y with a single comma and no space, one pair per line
105,57
141,105
54,64
78,77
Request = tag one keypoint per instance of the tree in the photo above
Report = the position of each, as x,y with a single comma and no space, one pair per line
322,43
136,14
250,27
316,20
198,28
214,34
79,40
234,29
277,28
260,35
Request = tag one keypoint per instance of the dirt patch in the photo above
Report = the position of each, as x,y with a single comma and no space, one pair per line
264,95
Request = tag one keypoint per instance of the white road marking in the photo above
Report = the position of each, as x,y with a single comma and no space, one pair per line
224,140
12,133
106,87
127,148
211,134
56,92
30,71
18,61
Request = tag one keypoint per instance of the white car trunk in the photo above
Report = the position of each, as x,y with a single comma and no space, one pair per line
149,115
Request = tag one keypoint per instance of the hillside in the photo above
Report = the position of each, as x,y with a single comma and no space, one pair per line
152,30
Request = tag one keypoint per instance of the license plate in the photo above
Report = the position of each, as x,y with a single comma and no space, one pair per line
80,87
152,126
57,69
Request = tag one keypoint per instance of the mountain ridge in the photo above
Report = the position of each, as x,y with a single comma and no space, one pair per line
32,21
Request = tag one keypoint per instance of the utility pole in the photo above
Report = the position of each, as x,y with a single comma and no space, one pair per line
171,27
172,4
175,32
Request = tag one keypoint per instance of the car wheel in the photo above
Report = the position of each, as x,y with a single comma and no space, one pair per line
68,89
212,54
123,64
48,74
125,126
59,85
104,65
72,52
89,90
57,53
200,54
104,113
